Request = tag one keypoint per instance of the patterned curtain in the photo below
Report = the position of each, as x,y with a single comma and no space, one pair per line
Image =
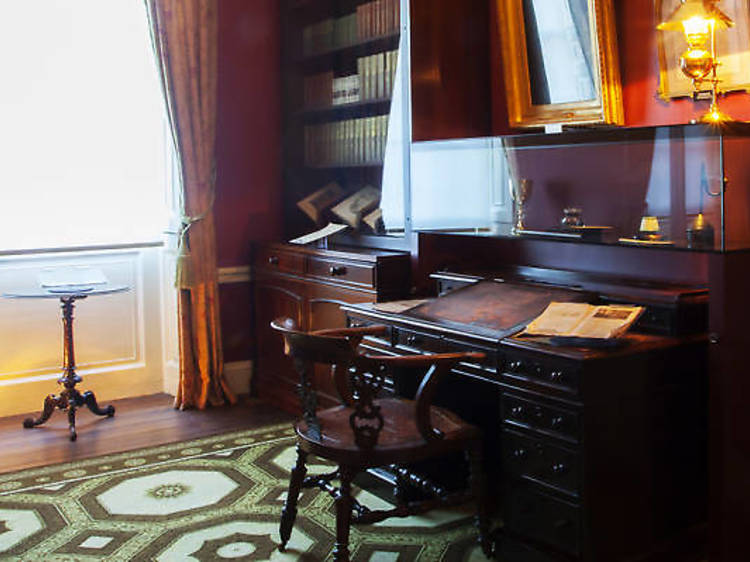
184,35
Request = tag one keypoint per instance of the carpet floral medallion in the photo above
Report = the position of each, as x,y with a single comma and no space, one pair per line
216,498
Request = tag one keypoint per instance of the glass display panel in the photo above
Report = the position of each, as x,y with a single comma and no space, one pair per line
451,184
737,192
655,187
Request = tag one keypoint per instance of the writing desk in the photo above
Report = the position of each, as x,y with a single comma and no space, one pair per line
70,398
593,454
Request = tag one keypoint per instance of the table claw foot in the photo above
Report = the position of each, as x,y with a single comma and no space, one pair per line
72,422
90,401
50,403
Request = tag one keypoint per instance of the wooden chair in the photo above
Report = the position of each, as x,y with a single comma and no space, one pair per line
368,432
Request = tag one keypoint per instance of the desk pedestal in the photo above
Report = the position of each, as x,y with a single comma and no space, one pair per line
70,398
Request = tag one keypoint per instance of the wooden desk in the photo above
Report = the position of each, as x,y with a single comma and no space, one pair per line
594,455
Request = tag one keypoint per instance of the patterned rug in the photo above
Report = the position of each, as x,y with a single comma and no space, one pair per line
216,498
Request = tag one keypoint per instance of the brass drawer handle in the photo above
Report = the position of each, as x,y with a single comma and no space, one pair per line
337,270
273,260
516,366
517,411
519,453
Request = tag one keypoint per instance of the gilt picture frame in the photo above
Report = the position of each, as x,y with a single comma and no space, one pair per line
567,79
732,49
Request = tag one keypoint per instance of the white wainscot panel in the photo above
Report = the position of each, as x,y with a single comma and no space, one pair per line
117,337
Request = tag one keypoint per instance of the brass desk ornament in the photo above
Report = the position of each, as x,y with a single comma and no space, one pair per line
520,192
700,234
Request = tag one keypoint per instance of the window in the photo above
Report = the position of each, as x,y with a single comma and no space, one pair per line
83,140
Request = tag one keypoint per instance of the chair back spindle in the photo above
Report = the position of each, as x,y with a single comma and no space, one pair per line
358,379
366,379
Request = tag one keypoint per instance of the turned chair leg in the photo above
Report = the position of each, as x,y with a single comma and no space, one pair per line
477,485
343,515
289,513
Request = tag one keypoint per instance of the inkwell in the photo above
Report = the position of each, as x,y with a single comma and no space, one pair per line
700,234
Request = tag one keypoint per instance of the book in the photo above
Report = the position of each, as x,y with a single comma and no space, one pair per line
379,76
375,221
351,209
315,204
581,320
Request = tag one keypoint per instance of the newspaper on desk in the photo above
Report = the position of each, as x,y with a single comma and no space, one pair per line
583,320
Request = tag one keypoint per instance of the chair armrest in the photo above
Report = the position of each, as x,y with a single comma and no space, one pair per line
440,364
360,331
421,361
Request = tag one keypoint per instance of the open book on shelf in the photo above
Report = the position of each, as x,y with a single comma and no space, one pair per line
581,320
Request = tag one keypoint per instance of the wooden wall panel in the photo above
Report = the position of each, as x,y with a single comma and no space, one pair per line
450,60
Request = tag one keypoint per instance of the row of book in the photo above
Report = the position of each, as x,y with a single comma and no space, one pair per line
374,80
348,142
331,201
373,19
377,73
377,18
330,33
318,90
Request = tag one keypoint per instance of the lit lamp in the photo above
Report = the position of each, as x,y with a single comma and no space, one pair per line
699,20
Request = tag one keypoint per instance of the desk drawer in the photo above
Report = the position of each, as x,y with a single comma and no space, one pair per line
281,261
526,457
549,372
543,518
424,343
348,272
522,412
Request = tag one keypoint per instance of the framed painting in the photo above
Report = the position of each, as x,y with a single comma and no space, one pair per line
560,62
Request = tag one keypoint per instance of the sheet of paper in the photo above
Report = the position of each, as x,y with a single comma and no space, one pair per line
71,277
558,319
397,307
330,229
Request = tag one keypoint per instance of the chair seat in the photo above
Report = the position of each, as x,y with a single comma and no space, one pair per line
399,441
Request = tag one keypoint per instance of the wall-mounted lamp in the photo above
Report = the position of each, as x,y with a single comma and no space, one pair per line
699,20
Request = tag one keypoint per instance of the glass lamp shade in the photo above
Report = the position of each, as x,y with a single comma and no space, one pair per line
694,17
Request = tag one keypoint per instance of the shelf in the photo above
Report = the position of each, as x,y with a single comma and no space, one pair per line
365,108
358,49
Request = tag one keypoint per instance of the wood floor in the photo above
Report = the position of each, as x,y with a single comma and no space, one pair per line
138,422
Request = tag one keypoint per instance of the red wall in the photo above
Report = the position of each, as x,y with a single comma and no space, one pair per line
248,153
248,137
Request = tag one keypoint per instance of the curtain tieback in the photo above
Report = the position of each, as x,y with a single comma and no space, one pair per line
185,278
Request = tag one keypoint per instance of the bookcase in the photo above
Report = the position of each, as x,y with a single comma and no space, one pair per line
340,62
